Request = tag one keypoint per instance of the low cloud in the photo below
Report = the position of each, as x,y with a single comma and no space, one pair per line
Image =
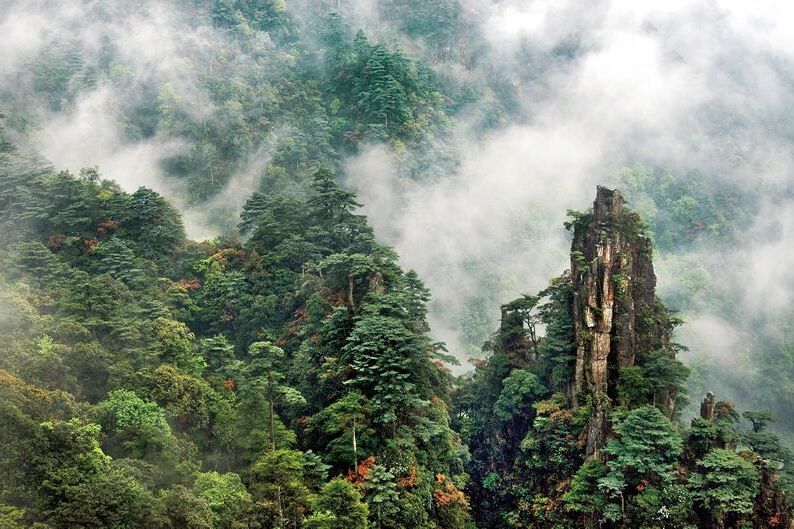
91,135
689,85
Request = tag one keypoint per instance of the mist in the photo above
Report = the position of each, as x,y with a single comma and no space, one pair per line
688,86
691,86
152,44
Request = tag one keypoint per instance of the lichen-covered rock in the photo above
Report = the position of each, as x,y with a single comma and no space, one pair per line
707,407
616,314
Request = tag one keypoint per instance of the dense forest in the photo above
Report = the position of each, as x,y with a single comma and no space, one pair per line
153,381
207,325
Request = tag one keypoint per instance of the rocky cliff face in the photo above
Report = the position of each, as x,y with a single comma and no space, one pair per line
616,315
593,349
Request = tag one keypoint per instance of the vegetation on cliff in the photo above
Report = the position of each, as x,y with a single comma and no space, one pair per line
151,381
580,427
284,374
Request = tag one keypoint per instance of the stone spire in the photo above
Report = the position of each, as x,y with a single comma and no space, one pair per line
614,306
707,407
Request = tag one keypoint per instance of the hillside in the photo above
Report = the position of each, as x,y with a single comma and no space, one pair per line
289,381
257,257
582,427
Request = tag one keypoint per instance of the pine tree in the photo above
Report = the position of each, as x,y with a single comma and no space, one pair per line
725,485
118,260
152,223
385,356
262,379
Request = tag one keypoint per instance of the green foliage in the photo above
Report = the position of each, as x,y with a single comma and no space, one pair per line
338,506
383,354
185,509
10,517
229,355
759,419
585,496
261,381
437,22
578,218
646,447
152,222
219,355
681,203
519,390
667,506
141,424
551,447
663,372
118,260
633,387
377,91
278,488
348,416
381,494
175,344
185,398
225,495
704,435
269,15
80,487
725,484
557,346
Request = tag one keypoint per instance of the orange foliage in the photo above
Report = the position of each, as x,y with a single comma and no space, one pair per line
89,245
229,384
358,478
448,493
188,284
548,504
228,256
561,416
546,407
296,324
438,401
107,226
408,480
336,301
563,486
35,401
55,242
479,363
442,366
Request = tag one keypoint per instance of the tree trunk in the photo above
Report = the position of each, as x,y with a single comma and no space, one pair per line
355,448
272,424
280,506
350,289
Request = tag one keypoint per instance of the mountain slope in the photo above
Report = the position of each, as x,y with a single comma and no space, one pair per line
578,427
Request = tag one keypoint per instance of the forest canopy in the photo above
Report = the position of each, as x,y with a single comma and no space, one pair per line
220,222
